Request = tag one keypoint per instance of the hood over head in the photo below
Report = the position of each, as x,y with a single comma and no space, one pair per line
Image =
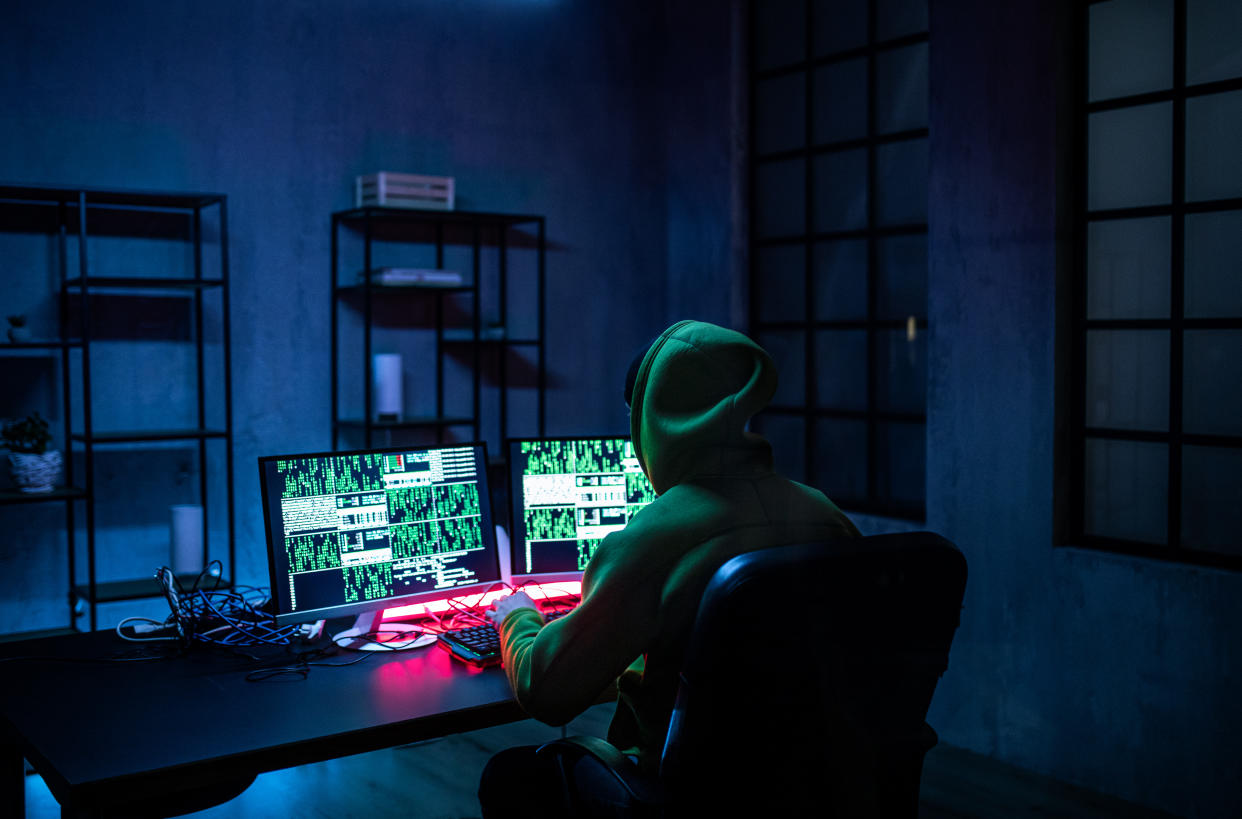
696,389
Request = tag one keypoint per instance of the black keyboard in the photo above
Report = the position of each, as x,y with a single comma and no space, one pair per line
477,645
480,645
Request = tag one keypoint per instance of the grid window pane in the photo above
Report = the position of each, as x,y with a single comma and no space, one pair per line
901,182
1130,157
832,205
1211,487
841,190
1212,382
1130,48
896,18
781,293
780,198
841,369
788,350
1128,268
1214,264
901,89
1213,32
780,110
839,25
901,274
787,435
901,377
1128,379
840,110
841,460
775,22
1126,491
901,468
1213,160
841,280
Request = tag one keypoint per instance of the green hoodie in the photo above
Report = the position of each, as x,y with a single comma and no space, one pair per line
697,387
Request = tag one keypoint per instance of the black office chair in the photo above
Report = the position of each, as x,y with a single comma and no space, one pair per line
805,688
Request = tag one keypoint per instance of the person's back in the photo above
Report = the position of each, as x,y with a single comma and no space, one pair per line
693,395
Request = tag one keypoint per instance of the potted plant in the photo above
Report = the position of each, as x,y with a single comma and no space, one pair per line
18,331
34,468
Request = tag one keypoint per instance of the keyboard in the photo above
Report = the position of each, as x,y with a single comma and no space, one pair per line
476,645
480,645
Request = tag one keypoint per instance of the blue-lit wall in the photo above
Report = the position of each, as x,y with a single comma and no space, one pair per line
552,107
617,121
1117,673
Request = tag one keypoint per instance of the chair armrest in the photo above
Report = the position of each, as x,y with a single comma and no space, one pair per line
644,789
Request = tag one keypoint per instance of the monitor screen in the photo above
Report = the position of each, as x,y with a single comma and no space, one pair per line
565,496
352,531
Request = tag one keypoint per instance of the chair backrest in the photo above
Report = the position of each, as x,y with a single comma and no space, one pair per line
809,676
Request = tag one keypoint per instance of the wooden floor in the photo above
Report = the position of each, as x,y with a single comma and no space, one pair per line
437,780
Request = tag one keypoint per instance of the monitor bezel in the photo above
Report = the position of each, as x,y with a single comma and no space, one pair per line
521,578
280,601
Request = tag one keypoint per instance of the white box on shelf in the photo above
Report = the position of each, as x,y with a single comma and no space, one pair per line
404,190
412,276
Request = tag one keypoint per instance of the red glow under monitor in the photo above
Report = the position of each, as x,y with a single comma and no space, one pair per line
538,591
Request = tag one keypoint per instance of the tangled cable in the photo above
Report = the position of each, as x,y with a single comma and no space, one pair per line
231,618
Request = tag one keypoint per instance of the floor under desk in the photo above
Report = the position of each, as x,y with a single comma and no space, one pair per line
437,780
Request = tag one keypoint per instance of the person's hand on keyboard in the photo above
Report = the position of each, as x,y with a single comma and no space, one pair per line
501,608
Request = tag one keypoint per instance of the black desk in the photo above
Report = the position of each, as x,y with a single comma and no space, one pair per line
103,733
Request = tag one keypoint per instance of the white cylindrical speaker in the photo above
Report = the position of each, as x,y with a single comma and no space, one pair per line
186,535
387,398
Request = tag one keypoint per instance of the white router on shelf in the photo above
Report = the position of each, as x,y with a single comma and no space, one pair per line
403,190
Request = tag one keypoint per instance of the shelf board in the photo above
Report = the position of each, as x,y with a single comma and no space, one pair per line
408,423
140,283
466,217
114,591
137,436
95,196
59,493
42,345
36,635
467,337
390,289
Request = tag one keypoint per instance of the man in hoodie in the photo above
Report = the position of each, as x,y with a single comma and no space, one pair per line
691,398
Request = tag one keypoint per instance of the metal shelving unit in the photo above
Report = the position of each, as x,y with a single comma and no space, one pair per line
438,230
76,212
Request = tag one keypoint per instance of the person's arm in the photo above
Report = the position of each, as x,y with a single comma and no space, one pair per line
558,670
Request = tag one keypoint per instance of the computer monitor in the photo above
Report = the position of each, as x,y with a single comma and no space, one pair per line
358,532
565,496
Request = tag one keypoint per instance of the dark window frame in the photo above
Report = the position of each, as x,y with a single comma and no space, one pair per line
811,415
1176,324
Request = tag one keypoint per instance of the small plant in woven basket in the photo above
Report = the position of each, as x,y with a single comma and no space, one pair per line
34,468
28,435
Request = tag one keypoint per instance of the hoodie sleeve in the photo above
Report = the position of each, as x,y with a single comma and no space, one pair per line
558,670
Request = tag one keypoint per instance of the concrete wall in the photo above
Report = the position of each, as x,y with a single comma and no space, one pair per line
535,106
619,123
1117,673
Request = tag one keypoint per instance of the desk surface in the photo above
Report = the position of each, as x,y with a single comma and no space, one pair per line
98,731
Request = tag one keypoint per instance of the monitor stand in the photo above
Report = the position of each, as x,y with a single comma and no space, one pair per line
391,636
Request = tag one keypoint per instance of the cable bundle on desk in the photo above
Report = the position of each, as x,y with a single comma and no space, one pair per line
232,618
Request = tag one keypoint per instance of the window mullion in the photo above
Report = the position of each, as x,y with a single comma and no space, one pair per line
809,427
873,432
1177,275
